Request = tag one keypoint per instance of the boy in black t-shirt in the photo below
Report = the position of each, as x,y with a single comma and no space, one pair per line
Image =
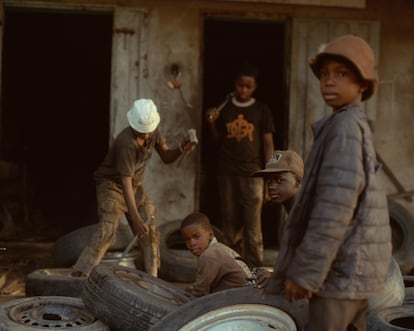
244,129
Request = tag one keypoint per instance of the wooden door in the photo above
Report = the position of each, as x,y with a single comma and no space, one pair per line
306,103
128,64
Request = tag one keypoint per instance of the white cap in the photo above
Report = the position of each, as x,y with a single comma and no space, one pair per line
143,116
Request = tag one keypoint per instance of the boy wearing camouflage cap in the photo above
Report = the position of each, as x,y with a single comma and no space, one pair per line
283,175
336,247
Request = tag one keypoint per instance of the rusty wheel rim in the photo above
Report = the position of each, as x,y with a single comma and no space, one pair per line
51,313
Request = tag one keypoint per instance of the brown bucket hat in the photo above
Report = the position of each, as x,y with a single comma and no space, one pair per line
358,52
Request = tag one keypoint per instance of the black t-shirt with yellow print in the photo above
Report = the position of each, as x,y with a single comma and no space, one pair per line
242,129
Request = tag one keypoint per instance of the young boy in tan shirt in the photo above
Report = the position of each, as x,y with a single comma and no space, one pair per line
219,267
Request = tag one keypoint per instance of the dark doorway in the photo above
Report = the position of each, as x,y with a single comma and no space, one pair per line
227,43
55,111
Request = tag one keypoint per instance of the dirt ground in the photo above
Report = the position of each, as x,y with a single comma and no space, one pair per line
19,257
22,254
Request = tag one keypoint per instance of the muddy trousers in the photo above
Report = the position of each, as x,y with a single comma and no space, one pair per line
327,314
111,207
241,200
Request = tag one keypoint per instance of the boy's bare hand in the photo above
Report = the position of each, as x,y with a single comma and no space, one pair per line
262,277
140,228
212,115
295,292
186,145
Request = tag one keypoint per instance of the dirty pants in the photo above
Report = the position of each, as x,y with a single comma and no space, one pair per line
326,314
111,206
241,200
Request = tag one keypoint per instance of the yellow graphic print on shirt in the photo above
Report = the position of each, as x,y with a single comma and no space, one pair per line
240,129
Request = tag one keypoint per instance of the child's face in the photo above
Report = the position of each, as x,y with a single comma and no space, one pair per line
281,186
197,238
339,84
245,87
143,135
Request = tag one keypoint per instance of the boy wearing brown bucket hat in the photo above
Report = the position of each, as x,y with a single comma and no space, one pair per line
120,190
336,247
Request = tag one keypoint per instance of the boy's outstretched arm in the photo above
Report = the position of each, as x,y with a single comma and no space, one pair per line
138,224
212,116
168,155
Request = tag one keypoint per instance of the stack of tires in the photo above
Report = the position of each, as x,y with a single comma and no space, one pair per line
395,310
57,281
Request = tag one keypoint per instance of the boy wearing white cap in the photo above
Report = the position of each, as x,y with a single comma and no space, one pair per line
119,187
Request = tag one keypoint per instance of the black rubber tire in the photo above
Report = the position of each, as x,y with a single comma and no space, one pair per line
129,299
409,295
58,281
177,263
402,224
231,299
54,282
408,280
68,247
46,312
392,318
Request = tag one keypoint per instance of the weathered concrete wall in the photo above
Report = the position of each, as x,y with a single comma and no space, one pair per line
175,36
395,118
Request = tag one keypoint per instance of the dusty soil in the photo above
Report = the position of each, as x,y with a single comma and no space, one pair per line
19,257
22,255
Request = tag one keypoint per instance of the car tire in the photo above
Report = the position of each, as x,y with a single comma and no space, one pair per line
177,263
402,225
243,308
408,280
59,281
129,299
68,247
409,295
54,282
396,318
46,312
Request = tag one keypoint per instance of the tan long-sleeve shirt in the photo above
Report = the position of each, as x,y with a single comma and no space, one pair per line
219,269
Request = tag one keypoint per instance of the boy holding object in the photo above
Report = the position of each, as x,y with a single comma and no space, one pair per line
120,190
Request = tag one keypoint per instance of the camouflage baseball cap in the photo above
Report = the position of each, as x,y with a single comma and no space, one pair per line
281,161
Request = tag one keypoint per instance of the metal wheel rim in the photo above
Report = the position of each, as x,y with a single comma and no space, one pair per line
50,313
242,317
